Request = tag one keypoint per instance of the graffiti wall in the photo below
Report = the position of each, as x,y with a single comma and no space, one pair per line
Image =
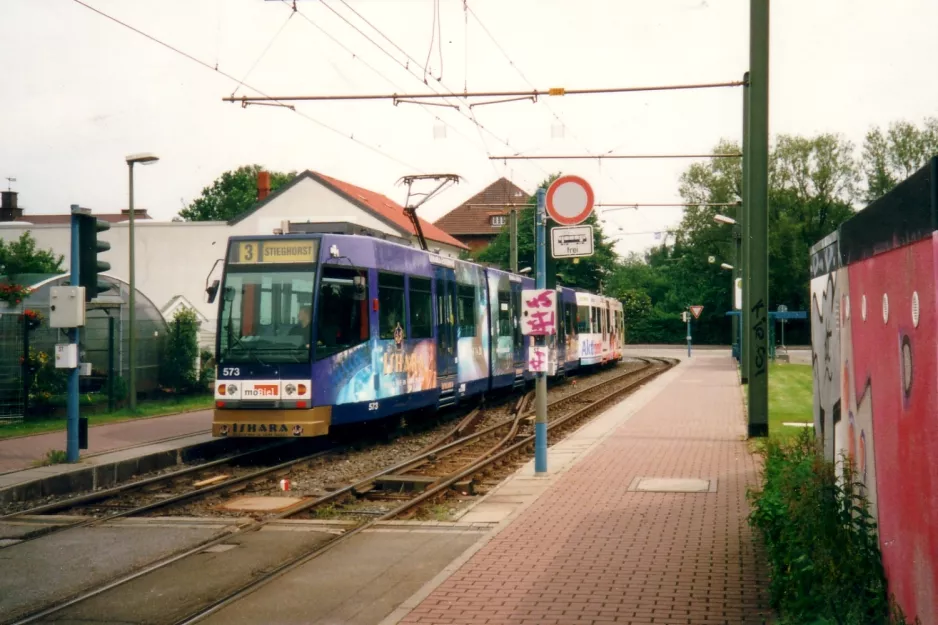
875,357
825,340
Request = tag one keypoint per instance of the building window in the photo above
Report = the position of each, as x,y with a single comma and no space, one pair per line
421,308
499,220
390,304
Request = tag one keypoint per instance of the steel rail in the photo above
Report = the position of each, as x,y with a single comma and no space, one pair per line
293,563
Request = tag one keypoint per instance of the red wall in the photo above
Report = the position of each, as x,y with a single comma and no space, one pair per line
905,420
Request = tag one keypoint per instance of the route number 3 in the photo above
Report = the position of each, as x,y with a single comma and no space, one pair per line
232,371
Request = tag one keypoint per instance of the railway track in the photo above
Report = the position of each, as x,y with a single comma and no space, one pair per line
452,460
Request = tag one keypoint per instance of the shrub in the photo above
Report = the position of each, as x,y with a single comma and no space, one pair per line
823,552
45,381
180,349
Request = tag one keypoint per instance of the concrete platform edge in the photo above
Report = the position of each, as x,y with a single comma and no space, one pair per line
101,470
639,400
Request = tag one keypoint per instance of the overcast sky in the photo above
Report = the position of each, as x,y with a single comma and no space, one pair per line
81,91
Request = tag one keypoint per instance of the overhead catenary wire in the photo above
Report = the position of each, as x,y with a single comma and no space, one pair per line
541,157
323,125
264,52
554,91
449,95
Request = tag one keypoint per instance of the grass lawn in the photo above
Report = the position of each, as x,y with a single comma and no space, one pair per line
145,408
791,398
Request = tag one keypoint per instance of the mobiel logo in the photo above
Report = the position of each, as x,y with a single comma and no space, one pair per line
262,390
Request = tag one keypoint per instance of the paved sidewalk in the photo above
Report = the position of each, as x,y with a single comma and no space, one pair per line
20,453
593,549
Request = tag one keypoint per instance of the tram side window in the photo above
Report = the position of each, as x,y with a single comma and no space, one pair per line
583,319
343,310
595,319
390,304
504,314
569,314
465,309
421,308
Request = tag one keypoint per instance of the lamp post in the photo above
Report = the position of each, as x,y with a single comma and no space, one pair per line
144,159
737,272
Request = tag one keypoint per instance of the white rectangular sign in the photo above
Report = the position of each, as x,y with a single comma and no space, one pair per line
738,293
538,312
571,242
538,358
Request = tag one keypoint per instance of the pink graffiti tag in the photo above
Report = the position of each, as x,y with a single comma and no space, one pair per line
537,360
541,322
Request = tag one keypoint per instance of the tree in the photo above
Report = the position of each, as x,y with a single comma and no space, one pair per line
894,156
180,349
590,273
232,193
21,256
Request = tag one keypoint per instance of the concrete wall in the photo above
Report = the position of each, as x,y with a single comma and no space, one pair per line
877,315
175,258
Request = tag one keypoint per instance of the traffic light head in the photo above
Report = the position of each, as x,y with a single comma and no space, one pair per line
88,249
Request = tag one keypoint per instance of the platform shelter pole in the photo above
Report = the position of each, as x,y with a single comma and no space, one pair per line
744,271
540,400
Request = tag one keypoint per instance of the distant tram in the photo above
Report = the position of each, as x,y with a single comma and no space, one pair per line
321,330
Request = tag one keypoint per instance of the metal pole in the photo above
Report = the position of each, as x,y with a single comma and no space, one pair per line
513,232
25,368
540,420
744,239
758,265
132,391
71,448
110,362
688,333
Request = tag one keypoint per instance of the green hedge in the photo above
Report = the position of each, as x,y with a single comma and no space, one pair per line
820,539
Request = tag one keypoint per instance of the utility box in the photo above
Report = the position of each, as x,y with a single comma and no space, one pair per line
84,369
66,356
67,307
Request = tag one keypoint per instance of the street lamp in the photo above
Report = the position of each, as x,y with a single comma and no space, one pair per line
726,266
723,219
144,158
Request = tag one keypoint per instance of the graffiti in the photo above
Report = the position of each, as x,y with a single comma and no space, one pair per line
759,328
825,357
539,312
538,359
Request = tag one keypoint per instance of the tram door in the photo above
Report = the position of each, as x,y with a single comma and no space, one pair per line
446,324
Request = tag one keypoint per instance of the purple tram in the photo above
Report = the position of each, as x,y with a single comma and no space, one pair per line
321,330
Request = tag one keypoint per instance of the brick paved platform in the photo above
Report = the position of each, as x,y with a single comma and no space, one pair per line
595,548
22,452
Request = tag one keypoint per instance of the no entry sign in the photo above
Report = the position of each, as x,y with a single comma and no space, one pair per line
569,200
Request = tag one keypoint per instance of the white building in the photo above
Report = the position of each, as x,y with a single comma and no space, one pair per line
174,260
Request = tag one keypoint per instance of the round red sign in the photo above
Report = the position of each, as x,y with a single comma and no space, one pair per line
569,200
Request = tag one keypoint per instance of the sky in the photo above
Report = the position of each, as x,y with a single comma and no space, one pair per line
80,92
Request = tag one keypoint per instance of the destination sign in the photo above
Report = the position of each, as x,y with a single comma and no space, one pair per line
269,252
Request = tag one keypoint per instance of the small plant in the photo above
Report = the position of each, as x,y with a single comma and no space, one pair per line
53,456
33,318
820,538
180,348
14,294
45,380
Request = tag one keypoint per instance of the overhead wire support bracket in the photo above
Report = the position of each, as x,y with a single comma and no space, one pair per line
443,104
542,157
556,91
635,205
244,105
533,99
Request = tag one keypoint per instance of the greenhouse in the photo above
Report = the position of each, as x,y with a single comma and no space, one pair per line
25,337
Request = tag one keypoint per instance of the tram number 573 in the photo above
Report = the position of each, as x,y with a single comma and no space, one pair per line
231,371
373,405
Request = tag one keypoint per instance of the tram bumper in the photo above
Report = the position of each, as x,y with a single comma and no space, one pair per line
272,423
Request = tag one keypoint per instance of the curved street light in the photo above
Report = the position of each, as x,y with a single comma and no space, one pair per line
723,219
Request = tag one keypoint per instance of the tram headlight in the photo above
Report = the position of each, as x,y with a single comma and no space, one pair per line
221,389
302,389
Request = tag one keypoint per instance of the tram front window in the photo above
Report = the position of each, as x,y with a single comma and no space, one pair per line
266,316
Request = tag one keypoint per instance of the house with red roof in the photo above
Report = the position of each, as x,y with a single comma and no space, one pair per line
479,219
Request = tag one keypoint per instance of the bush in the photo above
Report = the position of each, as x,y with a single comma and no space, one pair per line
45,381
824,557
180,349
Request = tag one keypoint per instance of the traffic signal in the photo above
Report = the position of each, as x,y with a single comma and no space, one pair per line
88,249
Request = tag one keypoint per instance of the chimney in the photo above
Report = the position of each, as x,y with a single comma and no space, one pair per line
8,206
263,185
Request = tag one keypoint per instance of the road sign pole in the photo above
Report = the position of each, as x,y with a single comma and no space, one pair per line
71,442
758,262
540,419
688,334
